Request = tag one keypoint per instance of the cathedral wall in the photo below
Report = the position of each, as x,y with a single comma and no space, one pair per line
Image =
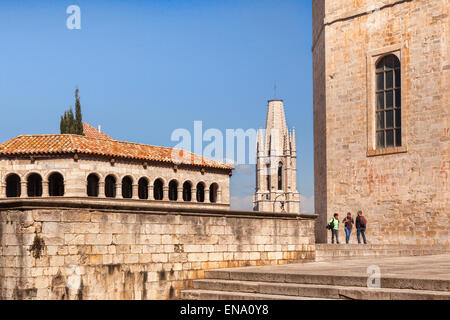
404,193
70,252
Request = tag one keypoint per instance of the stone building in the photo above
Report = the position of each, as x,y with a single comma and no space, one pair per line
89,217
276,168
381,116
97,166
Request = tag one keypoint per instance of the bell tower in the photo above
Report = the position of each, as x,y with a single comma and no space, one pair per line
276,166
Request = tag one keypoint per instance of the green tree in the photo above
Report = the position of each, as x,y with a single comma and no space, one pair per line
78,115
69,123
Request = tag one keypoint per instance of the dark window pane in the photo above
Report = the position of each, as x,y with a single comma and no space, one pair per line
380,81
389,99
380,101
380,139
396,62
380,120
389,61
389,119
398,81
398,138
398,118
398,98
389,138
389,80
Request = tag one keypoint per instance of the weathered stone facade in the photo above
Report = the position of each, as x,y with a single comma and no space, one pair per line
103,249
403,191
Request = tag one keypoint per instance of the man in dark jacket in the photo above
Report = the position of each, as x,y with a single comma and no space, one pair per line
361,224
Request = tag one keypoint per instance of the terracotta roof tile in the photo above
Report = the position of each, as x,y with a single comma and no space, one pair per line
69,144
90,131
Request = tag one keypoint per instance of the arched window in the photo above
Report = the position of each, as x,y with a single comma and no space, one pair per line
388,103
143,188
280,176
34,185
158,190
173,190
213,192
200,192
13,186
187,191
268,177
92,185
56,185
110,187
127,188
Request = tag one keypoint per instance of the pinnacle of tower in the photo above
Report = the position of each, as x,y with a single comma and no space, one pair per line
276,128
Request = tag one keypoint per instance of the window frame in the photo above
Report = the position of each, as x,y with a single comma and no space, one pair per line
373,58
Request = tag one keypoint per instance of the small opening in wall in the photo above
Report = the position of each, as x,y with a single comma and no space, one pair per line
143,188
110,187
127,188
34,185
56,185
187,191
158,190
92,185
13,186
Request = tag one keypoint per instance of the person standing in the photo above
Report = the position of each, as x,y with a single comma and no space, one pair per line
334,225
361,224
348,223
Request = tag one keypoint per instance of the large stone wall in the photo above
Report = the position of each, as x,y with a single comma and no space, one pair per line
91,250
404,193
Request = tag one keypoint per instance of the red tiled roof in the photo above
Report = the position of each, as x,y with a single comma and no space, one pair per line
71,144
91,132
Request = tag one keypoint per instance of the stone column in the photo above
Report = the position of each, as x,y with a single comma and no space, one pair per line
23,189
2,190
219,196
194,195
119,190
101,189
180,194
150,192
135,191
207,200
45,192
165,193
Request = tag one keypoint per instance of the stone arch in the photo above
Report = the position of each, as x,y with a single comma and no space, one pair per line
158,189
200,192
34,184
127,187
13,185
55,184
143,184
93,182
110,186
213,192
173,190
187,191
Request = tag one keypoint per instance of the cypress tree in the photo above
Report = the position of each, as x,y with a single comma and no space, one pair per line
78,115
69,123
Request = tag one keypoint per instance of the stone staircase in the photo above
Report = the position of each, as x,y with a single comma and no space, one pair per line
330,252
325,280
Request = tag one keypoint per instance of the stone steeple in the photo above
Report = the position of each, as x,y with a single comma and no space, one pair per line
276,167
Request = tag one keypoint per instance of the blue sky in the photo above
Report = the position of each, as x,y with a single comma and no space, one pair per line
146,68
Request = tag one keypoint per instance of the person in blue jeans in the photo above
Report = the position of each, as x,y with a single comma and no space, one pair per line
348,223
361,224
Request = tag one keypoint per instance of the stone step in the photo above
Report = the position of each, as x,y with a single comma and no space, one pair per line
341,254
317,291
329,279
330,252
226,295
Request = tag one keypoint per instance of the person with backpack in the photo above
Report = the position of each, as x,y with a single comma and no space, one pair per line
333,225
348,222
361,224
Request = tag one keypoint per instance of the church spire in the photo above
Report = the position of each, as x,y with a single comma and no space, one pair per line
276,168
